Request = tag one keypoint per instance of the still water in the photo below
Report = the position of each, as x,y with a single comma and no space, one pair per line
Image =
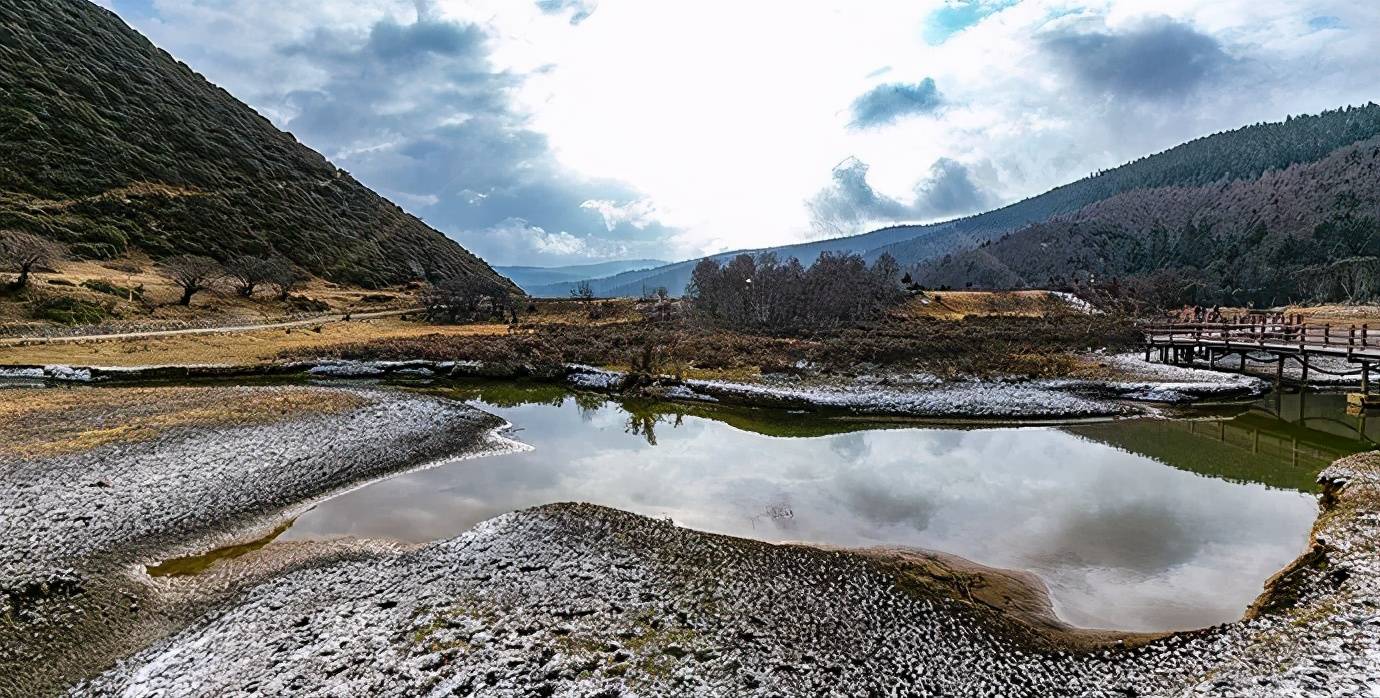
1136,525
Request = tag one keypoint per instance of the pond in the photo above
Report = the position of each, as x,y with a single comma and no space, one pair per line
1135,525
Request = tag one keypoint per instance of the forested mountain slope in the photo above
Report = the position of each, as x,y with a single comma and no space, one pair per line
1241,154
1305,231
108,143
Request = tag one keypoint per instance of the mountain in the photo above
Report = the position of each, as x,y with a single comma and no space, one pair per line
1243,154
529,278
1310,231
108,143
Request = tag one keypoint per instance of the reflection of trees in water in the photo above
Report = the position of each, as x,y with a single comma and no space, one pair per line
643,417
588,404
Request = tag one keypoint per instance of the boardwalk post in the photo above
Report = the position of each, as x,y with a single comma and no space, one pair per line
1279,370
1243,360
1303,358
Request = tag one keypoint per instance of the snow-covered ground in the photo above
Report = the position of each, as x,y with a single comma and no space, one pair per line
576,600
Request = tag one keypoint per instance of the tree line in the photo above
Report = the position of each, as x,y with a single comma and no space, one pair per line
764,293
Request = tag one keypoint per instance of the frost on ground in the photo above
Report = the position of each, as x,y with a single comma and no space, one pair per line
969,398
581,600
74,518
1130,377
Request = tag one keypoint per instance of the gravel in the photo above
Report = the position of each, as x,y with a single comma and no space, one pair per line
577,600
76,529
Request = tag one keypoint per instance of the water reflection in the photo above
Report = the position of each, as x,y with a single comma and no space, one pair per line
1122,540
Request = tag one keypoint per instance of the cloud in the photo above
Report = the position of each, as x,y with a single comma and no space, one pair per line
884,104
1156,59
950,190
639,214
579,10
419,109
850,203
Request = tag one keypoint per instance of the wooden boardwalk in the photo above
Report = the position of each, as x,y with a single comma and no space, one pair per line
1266,339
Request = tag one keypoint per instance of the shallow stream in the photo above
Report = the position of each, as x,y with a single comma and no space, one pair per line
1135,524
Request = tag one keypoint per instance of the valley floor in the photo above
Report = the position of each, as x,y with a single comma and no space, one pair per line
560,600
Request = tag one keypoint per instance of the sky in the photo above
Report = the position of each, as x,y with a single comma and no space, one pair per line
550,132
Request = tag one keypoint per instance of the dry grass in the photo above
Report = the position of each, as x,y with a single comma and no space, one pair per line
960,305
48,422
160,297
1339,314
238,348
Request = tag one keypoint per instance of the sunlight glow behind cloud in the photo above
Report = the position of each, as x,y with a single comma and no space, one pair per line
559,131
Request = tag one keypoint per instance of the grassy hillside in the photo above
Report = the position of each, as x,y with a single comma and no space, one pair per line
107,143
1243,154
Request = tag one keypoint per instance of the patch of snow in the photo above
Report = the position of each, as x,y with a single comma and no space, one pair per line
582,376
1076,303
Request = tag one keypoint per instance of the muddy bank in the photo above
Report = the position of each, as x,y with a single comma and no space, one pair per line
134,475
1119,386
581,600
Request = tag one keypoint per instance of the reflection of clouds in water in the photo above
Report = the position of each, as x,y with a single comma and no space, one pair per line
1121,540
850,447
884,504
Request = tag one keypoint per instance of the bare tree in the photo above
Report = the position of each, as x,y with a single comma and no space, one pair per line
466,298
248,273
284,277
584,293
192,273
20,253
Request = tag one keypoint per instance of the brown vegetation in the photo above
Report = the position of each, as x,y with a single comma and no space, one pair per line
55,422
982,345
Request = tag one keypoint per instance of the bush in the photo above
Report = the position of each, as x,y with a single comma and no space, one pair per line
108,288
69,311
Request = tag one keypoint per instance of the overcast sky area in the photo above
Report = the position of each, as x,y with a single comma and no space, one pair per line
552,132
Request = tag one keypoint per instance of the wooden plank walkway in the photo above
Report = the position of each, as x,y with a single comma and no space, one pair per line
1281,338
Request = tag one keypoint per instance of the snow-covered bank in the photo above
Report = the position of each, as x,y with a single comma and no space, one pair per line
1130,377
582,600
1123,381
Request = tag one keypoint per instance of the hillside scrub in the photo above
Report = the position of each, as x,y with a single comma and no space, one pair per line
111,145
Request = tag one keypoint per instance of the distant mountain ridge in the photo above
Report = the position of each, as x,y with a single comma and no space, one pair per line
530,278
108,143
1241,154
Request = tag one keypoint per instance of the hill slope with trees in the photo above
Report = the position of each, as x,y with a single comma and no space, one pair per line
1305,232
109,144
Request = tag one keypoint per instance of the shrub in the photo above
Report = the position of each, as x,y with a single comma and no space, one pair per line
111,289
68,311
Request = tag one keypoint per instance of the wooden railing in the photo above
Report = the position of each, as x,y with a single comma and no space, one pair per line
1266,330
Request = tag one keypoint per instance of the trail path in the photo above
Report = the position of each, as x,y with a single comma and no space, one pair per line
337,317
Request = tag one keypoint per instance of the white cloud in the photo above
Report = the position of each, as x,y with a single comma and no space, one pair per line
721,119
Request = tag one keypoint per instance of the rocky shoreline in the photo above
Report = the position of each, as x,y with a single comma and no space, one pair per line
580,600
75,523
1132,387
